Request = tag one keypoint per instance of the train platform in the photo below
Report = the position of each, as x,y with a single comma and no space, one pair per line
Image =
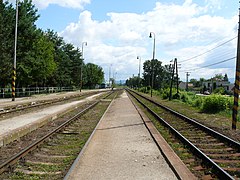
121,147
15,127
6,102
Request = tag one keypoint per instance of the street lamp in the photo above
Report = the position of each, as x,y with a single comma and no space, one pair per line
152,34
15,56
138,57
81,75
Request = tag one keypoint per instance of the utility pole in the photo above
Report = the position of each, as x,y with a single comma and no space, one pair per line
81,73
175,66
177,75
138,57
236,88
173,72
152,34
187,74
15,56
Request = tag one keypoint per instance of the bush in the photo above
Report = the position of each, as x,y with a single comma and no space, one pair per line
220,90
184,97
215,103
176,96
165,93
197,102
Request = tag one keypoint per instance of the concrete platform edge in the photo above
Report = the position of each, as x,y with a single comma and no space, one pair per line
19,132
67,176
176,164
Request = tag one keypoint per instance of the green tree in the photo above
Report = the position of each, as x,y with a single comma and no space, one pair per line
7,25
225,78
68,60
27,36
218,77
61,76
43,64
76,62
161,74
133,82
93,75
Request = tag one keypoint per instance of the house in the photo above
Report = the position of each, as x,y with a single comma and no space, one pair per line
214,84
183,85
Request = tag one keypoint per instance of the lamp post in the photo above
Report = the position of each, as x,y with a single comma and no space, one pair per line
138,57
81,75
15,56
152,34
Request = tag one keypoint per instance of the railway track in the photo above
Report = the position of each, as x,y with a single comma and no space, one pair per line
52,154
37,104
216,155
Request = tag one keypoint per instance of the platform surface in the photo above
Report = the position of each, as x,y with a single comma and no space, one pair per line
15,127
5,102
120,148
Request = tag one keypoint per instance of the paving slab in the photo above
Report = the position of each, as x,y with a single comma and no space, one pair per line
5,102
120,148
15,127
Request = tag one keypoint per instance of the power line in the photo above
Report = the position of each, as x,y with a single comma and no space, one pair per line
212,64
208,50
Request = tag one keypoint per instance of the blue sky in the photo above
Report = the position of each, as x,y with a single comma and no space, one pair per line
117,32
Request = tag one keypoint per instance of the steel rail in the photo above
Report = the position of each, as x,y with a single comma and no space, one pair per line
219,171
216,134
10,162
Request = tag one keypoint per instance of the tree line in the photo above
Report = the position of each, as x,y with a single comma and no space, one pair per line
160,74
43,57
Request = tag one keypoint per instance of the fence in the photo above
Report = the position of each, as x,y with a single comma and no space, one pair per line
23,92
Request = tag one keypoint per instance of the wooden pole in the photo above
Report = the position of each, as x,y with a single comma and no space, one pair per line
236,88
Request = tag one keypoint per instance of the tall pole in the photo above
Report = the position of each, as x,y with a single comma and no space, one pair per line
15,56
109,75
177,75
150,36
187,74
81,73
110,68
138,57
173,71
236,88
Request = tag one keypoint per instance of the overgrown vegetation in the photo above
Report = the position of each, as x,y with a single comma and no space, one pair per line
214,103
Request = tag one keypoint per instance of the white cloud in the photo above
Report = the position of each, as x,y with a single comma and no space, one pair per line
77,4
181,31
42,4
214,4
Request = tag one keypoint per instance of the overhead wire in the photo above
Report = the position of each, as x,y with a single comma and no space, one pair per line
209,50
213,64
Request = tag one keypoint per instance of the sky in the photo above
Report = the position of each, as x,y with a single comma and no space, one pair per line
197,32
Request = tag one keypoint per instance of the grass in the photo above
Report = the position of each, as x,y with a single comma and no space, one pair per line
66,145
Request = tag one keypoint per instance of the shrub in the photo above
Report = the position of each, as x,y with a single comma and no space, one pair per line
184,97
220,90
176,96
197,102
215,103
165,93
